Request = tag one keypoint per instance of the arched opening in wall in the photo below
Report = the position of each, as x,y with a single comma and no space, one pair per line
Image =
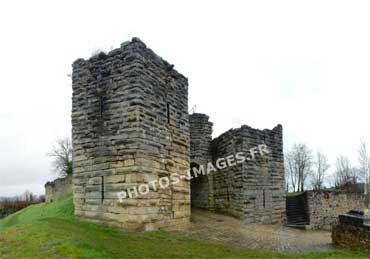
199,187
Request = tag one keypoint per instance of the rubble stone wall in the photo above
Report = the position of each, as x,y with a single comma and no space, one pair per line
58,189
130,125
325,207
351,232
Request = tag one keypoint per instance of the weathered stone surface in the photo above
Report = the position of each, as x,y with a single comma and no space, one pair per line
200,154
325,207
58,189
352,231
130,126
252,191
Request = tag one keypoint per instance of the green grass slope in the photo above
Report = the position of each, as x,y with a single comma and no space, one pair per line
61,209
50,231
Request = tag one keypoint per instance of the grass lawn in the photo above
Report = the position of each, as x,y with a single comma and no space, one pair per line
50,231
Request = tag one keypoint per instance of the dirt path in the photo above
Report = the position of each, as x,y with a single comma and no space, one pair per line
220,228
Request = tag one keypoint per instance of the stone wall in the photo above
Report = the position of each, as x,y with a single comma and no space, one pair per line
200,154
130,125
58,189
352,231
253,191
324,207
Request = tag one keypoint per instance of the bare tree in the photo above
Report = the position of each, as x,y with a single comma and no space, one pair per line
364,161
345,174
62,154
298,165
287,177
27,196
291,175
319,174
364,168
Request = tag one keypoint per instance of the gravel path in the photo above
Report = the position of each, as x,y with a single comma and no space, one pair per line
220,228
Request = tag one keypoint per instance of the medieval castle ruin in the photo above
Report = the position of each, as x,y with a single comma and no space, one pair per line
131,125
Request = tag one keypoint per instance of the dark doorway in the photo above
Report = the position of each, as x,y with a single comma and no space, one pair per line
199,188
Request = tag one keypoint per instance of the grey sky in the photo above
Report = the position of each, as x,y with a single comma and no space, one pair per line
304,64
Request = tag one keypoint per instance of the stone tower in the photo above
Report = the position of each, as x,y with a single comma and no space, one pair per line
253,191
130,126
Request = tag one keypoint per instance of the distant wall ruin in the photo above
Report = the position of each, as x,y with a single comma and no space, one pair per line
325,207
58,189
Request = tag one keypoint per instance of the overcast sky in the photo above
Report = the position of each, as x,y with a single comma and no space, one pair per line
304,64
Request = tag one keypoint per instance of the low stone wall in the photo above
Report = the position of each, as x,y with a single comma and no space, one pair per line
325,207
58,189
352,231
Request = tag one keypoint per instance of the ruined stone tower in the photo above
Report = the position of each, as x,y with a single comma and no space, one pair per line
130,126
253,191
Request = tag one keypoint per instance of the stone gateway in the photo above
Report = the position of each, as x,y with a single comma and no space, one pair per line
130,125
